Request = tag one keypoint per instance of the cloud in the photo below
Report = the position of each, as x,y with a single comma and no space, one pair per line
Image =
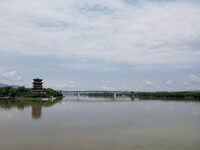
66,85
71,82
169,82
194,79
120,37
105,88
104,82
193,83
146,33
148,83
105,85
10,77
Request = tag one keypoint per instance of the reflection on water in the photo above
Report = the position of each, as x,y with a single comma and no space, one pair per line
36,112
100,123
36,106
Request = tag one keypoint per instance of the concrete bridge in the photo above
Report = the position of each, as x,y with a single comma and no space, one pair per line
93,91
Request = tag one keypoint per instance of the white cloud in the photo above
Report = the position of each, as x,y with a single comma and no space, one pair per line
10,77
193,83
65,85
148,83
147,86
169,82
105,88
105,85
195,79
112,31
71,82
102,36
105,82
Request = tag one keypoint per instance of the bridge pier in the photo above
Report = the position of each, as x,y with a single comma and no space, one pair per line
115,96
132,96
114,93
78,96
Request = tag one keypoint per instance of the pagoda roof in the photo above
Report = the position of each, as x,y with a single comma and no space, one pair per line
37,82
37,79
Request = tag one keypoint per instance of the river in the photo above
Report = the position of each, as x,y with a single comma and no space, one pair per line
100,124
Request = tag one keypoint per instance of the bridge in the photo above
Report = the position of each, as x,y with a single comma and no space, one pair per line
94,91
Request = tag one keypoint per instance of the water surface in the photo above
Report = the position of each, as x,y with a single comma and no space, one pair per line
100,123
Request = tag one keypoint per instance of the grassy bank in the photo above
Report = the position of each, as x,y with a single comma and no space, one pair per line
29,99
34,99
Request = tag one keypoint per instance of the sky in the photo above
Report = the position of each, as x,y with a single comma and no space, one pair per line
136,45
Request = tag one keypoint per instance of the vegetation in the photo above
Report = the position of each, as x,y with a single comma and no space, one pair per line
177,95
103,94
154,95
98,94
23,93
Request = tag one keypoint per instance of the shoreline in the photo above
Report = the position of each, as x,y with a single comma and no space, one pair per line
185,95
36,99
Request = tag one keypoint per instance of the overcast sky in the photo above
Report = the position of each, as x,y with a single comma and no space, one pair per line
143,45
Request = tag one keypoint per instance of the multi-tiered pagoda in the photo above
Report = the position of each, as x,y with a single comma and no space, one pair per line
37,85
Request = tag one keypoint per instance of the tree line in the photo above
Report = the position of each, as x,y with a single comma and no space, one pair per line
177,95
184,94
27,93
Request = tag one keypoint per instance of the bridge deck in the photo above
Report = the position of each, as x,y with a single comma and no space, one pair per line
96,91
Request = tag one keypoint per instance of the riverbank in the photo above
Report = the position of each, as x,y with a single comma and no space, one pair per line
7,98
38,99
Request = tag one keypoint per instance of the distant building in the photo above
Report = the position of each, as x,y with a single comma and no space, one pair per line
37,85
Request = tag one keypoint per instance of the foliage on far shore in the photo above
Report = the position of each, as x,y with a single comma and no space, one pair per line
184,94
24,93
148,95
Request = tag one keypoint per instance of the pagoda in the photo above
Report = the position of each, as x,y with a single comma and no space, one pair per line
37,85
